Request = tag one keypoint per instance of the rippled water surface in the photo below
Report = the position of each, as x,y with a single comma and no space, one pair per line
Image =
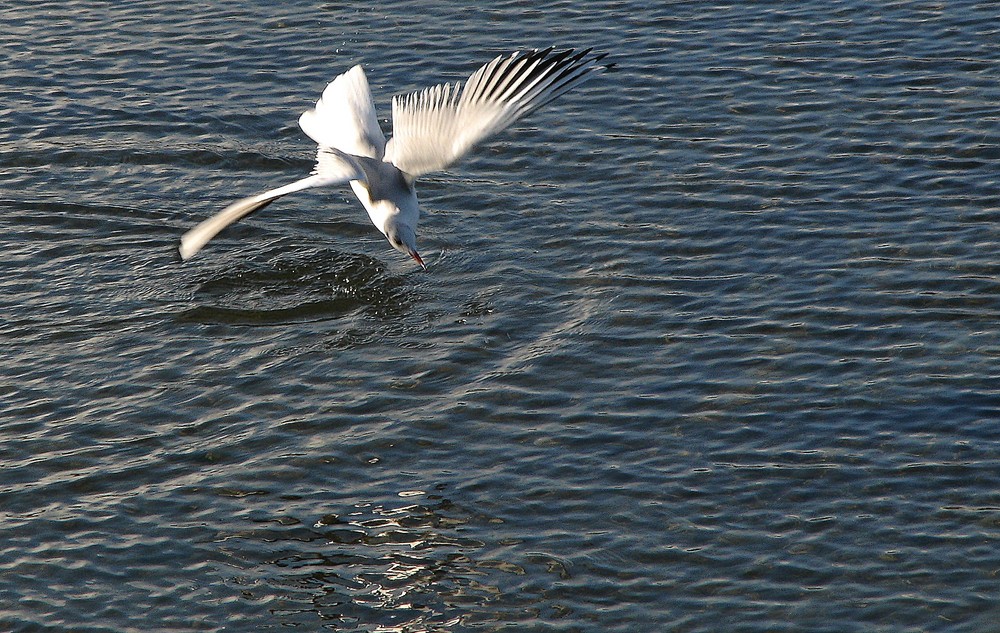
708,345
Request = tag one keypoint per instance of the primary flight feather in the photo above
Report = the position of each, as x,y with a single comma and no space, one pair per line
432,129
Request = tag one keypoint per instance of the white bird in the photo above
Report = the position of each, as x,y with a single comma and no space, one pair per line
432,129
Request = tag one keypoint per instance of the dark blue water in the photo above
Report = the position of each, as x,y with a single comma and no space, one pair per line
711,344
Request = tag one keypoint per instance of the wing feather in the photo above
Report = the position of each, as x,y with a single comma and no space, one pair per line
435,127
332,168
344,117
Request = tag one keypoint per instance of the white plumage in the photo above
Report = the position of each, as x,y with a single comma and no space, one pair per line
432,129
344,117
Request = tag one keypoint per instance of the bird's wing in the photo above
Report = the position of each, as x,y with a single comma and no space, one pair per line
332,168
435,127
344,117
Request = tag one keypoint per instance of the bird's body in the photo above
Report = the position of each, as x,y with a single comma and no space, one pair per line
432,129
384,193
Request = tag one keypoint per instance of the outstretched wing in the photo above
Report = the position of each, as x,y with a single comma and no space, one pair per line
344,117
435,127
332,168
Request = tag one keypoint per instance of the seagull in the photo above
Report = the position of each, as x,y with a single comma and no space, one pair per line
432,129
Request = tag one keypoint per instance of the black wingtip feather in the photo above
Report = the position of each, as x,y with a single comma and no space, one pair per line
557,69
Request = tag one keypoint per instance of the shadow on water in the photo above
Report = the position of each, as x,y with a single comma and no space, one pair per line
311,286
412,568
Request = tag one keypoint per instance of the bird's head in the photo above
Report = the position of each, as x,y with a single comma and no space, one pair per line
404,240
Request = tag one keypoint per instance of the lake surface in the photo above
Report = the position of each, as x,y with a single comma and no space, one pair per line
709,344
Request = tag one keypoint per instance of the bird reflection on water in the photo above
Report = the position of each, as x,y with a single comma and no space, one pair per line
312,286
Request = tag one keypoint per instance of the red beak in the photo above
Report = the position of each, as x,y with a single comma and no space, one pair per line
416,257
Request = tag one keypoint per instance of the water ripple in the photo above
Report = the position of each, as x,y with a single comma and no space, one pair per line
707,345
